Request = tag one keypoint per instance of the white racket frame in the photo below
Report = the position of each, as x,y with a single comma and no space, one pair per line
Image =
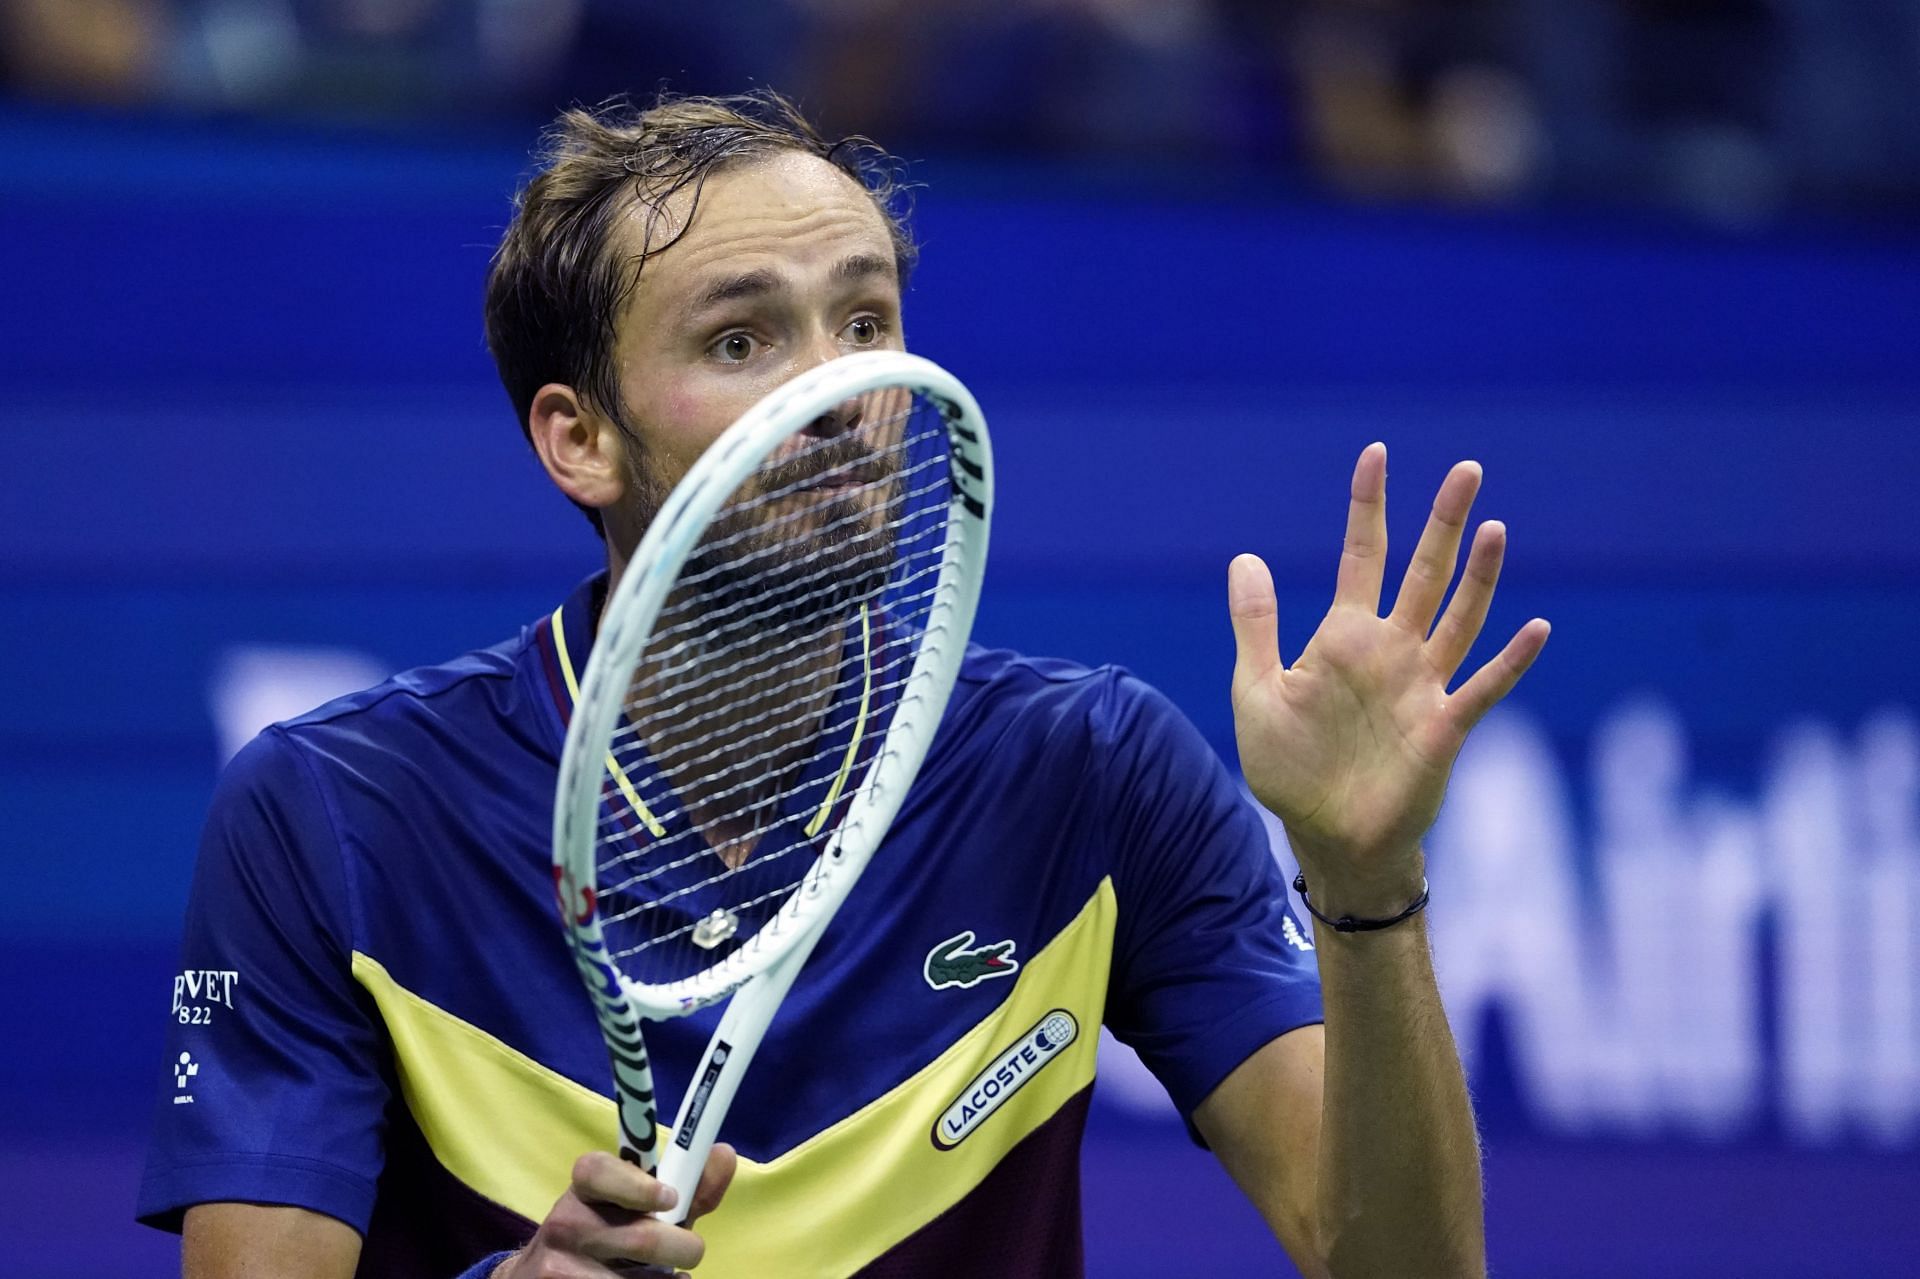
760,972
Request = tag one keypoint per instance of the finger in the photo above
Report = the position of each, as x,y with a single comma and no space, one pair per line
1256,618
601,1178
714,1180
1425,584
1460,626
1496,679
1364,556
648,1240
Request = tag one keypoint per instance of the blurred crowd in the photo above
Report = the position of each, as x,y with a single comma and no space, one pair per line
1736,110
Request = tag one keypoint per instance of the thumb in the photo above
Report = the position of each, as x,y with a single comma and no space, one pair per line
1256,618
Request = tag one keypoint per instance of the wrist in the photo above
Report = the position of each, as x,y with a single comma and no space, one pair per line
1380,886
1350,923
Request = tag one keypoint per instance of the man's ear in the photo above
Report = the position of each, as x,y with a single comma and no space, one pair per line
583,451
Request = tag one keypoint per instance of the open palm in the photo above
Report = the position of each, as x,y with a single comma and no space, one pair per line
1351,746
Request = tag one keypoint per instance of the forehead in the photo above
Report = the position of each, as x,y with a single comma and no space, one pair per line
792,213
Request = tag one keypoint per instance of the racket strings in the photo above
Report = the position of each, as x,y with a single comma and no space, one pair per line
710,700
762,696
764,527
842,717
672,763
691,639
798,792
696,749
771,524
668,938
691,636
713,708
699,702
872,676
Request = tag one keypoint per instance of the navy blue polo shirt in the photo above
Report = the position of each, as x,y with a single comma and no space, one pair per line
378,1018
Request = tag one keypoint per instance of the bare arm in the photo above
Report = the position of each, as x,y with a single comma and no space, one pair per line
1351,747
1399,1161
1357,1143
1263,1122
266,1241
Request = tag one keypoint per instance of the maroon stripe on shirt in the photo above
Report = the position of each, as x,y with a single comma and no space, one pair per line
1021,1222
427,1223
550,663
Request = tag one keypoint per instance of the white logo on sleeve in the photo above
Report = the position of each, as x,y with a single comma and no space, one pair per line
1290,931
197,992
183,1072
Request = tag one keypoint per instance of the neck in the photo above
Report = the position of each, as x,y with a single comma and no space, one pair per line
746,684
616,569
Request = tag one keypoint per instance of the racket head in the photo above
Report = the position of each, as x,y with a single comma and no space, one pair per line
918,506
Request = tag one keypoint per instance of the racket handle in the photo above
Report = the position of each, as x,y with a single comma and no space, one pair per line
678,1169
710,1092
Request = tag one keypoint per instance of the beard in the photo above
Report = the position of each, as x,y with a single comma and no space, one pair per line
802,544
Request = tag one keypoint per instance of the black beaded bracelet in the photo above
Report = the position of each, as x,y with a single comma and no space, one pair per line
1347,923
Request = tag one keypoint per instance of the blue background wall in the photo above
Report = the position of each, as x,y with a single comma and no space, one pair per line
253,444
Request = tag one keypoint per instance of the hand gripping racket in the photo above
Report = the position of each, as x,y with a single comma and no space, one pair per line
765,681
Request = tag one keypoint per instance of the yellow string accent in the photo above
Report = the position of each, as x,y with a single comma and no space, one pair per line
859,725
647,818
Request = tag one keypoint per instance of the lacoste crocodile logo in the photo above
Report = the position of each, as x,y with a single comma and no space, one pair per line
958,962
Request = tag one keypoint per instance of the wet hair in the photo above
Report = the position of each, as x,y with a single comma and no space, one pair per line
558,284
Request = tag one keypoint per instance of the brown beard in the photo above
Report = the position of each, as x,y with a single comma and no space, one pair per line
806,558
646,494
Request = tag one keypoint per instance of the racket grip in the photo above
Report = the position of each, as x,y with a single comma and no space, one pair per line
725,1062
681,1169
683,1156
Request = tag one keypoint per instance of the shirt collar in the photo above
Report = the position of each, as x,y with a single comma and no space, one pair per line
573,625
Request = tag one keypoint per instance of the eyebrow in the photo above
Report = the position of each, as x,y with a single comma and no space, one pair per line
734,287
863,265
749,284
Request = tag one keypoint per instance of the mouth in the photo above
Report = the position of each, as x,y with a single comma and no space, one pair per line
842,479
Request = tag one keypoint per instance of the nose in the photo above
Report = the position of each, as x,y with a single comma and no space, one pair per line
817,348
842,419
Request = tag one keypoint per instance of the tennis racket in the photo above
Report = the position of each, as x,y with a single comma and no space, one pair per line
766,679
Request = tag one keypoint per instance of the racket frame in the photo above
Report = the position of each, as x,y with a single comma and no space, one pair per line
759,973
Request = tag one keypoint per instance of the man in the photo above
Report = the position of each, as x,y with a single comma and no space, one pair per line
407,1068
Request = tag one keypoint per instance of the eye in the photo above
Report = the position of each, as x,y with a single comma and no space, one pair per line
734,348
864,331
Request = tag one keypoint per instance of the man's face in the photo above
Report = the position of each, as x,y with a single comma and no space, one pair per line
785,264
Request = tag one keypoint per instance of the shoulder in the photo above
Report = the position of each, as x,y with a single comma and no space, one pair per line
426,722
468,691
445,688
1103,705
998,680
1094,731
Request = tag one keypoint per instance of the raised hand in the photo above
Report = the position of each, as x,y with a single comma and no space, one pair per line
1352,745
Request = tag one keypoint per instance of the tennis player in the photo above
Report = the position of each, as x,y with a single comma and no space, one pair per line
383,1064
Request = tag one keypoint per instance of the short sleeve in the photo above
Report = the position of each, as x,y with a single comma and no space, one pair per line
1209,964
273,1089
